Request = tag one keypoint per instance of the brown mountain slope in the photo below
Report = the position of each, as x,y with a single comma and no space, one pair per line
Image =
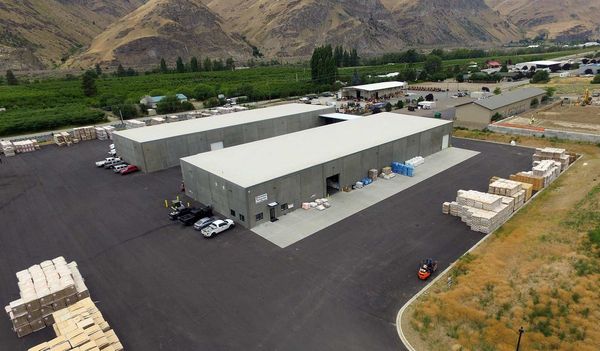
36,34
293,28
559,19
163,29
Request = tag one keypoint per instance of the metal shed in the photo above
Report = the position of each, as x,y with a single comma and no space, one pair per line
160,147
260,181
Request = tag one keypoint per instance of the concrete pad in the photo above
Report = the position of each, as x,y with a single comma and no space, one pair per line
300,224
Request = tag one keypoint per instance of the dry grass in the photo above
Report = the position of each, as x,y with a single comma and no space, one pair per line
569,85
539,271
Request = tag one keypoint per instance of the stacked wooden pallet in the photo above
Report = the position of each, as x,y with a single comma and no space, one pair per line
537,183
509,188
109,131
62,139
28,145
482,212
156,121
81,327
101,133
134,123
84,133
553,154
7,147
45,288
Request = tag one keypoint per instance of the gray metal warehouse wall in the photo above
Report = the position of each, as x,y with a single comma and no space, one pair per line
165,153
304,185
130,151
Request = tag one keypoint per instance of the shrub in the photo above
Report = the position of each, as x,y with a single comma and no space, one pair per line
388,107
400,104
540,77
534,102
171,104
127,111
496,117
596,79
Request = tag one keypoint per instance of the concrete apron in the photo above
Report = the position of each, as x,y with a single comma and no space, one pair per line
300,223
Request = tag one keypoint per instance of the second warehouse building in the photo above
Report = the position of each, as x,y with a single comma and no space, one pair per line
260,181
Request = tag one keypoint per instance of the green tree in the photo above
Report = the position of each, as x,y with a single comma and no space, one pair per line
356,78
338,56
98,70
534,102
163,66
121,71
388,107
460,77
550,91
346,59
207,64
433,64
596,79
171,104
322,65
504,68
128,111
218,65
130,72
540,77
409,74
194,65
497,91
179,66
10,78
354,59
438,52
400,104
88,84
230,64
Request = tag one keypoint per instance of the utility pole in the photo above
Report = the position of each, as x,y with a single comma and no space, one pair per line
521,331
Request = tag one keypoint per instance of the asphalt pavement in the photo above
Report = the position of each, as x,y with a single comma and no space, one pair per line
162,286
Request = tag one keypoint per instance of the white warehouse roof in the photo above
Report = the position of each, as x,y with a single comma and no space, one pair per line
260,161
378,86
168,130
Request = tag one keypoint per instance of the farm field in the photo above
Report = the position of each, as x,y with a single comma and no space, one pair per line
52,103
539,271
582,119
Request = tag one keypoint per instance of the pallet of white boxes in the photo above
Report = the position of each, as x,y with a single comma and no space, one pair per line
486,212
45,288
8,149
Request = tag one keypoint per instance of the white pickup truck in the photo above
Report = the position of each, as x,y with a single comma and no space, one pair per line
217,227
105,161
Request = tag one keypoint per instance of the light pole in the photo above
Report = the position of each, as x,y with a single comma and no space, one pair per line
521,331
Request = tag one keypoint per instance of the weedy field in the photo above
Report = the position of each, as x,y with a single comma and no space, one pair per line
541,270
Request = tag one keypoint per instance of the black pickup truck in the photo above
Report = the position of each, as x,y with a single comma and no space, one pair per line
195,214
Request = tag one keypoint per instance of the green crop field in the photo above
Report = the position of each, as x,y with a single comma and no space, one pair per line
53,103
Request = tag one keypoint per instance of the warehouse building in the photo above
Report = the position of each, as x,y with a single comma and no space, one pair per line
160,147
261,181
375,90
478,114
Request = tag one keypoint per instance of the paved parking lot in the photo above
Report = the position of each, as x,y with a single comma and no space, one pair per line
163,287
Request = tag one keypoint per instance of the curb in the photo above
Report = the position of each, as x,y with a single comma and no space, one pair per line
403,337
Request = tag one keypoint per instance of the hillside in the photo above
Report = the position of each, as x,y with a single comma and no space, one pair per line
163,29
559,19
293,28
37,34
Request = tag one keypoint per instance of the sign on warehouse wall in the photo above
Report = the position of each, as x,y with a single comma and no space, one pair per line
261,198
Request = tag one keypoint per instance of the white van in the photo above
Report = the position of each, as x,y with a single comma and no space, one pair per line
118,168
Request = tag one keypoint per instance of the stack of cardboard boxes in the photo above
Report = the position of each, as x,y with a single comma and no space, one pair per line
482,212
109,131
156,121
45,288
509,188
81,327
553,154
101,133
28,145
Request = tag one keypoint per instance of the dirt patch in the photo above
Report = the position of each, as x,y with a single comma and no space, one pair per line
539,271
582,119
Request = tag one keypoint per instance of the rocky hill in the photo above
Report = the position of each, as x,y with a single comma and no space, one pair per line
556,19
37,34
163,29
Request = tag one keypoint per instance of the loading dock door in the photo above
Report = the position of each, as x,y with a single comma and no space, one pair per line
272,209
333,184
445,141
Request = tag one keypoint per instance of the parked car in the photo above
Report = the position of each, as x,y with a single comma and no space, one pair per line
180,211
118,168
103,162
217,227
195,214
129,169
115,161
112,152
204,222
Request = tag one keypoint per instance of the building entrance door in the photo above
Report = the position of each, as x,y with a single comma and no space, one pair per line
272,209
